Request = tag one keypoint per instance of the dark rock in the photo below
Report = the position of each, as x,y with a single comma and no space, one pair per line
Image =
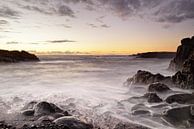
72,123
46,119
160,55
181,99
153,98
145,77
129,126
16,56
180,116
45,108
184,52
29,112
185,78
158,87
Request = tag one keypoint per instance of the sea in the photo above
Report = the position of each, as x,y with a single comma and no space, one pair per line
92,88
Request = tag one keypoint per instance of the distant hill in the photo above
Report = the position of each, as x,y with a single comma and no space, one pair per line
156,55
16,56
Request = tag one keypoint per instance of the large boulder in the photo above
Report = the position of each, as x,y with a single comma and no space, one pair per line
145,77
184,52
153,98
16,56
158,87
181,98
180,116
45,108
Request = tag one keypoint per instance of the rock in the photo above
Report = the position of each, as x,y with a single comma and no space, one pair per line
46,119
185,78
129,126
160,55
29,112
145,77
45,108
181,99
179,116
158,87
16,56
153,98
72,123
184,52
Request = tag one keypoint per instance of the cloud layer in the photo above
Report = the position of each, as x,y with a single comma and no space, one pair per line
171,11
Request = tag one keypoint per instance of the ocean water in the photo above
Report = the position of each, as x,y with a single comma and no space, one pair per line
90,87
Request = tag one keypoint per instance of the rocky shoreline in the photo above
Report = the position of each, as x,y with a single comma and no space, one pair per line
181,112
175,109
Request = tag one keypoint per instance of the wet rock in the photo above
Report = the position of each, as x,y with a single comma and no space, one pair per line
158,87
129,126
28,112
153,98
180,116
46,119
185,78
140,109
16,56
45,108
72,123
145,77
141,112
181,99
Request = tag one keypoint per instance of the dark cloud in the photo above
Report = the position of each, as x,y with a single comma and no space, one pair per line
60,41
7,12
65,11
92,25
164,11
105,26
176,11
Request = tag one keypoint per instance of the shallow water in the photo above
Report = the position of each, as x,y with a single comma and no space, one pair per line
92,86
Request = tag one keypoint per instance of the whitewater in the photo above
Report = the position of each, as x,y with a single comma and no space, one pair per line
89,87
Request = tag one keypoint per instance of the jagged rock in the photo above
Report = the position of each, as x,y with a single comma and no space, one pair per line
16,56
72,123
180,116
45,108
158,87
185,78
184,52
145,77
181,98
153,98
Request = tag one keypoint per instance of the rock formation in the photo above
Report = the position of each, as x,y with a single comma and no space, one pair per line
16,56
184,52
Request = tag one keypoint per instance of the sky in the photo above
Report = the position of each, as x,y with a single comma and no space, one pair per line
95,26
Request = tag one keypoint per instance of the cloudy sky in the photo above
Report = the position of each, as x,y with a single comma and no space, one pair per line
95,26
